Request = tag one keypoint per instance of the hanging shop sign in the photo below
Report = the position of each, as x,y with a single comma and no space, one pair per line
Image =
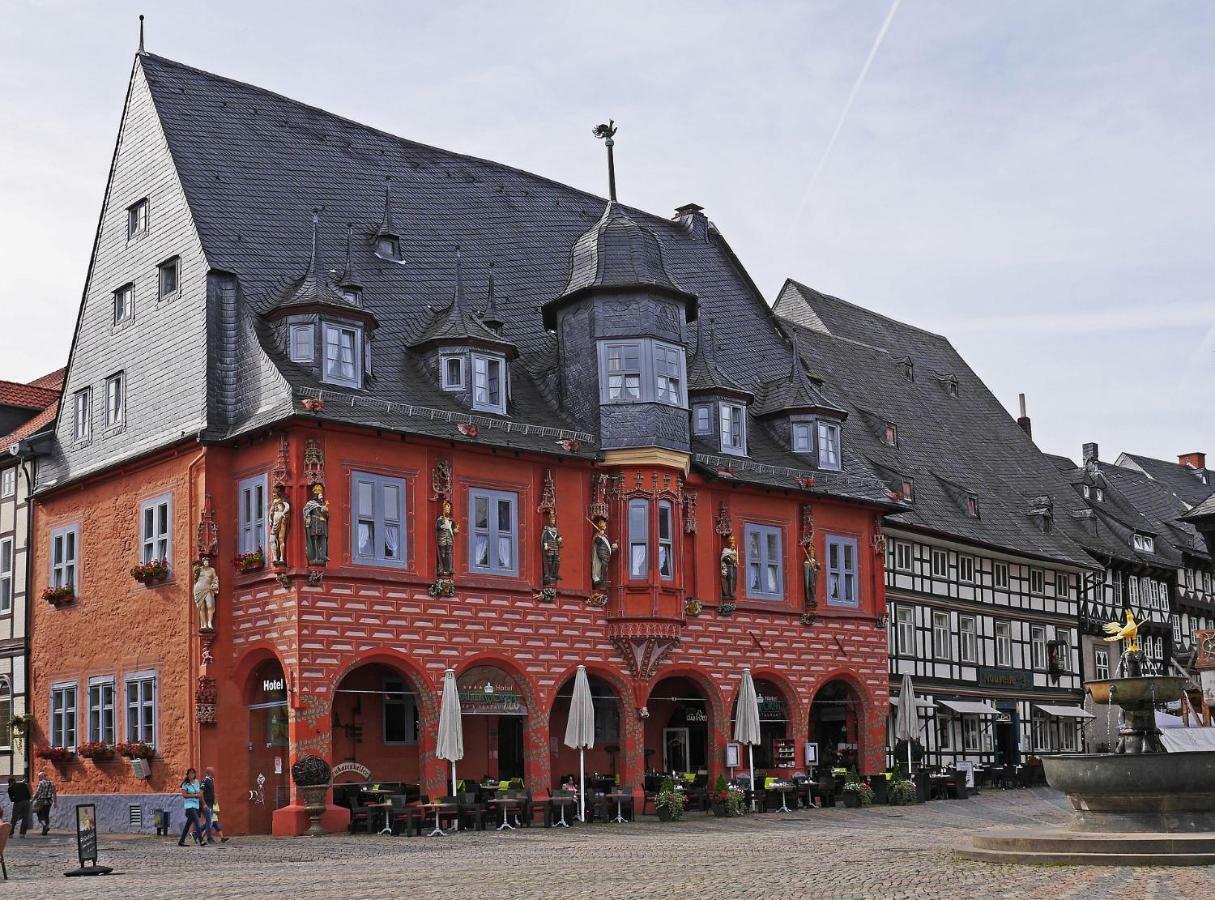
349,767
772,709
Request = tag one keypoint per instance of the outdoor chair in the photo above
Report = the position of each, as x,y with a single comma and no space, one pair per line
449,816
824,788
360,816
472,813
405,816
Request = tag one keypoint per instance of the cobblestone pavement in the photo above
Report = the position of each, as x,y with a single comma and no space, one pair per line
877,852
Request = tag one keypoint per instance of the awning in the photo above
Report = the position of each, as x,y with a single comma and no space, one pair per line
970,707
1065,712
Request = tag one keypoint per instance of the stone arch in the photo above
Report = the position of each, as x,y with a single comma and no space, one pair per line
628,760
717,716
536,768
793,727
855,721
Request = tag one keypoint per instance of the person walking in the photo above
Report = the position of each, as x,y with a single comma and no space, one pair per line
210,810
191,790
19,794
44,800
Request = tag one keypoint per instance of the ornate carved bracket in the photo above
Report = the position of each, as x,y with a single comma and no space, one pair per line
548,494
879,541
280,475
314,463
644,645
440,480
723,525
205,696
208,531
689,512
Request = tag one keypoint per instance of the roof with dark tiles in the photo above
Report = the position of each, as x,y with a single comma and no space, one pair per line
951,447
232,143
1191,485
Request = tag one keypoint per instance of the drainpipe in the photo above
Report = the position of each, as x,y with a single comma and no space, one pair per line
25,453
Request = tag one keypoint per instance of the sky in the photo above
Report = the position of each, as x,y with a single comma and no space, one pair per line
1033,180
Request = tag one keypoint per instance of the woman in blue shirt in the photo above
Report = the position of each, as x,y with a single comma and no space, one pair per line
191,790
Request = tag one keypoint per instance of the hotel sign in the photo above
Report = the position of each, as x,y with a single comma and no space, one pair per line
1012,679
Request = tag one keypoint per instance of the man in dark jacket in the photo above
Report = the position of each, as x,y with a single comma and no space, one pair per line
19,794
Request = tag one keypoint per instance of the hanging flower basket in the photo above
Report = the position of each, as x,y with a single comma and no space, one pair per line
136,750
151,573
56,755
251,562
97,751
59,596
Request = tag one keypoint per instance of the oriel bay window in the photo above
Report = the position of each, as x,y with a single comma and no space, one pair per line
494,534
343,355
841,572
639,538
642,370
765,557
666,544
378,504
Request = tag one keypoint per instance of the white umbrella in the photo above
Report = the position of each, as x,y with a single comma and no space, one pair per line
580,732
907,718
746,723
450,745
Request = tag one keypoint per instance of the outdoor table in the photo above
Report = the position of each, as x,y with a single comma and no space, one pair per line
440,808
619,797
504,802
561,802
385,805
783,788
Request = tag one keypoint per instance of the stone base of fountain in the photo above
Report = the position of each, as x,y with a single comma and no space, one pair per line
1056,847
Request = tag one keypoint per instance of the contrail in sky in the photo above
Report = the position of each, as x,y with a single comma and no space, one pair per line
839,126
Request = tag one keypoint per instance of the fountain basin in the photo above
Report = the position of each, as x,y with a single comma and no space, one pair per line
1137,792
1131,692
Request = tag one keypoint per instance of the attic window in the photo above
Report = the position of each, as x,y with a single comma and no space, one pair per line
303,337
803,437
1100,494
892,435
489,383
137,219
908,490
1145,542
343,350
452,372
828,446
972,507
951,385
353,296
908,369
388,246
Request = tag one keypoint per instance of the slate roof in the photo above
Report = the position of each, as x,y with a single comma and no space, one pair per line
1160,507
1205,508
949,446
1192,486
793,392
253,164
458,324
705,376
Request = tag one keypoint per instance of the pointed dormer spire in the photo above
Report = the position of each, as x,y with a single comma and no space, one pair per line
492,319
314,262
350,278
458,299
607,134
141,50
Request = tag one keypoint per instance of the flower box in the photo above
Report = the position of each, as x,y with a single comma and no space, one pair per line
59,596
56,755
250,562
97,751
151,573
136,750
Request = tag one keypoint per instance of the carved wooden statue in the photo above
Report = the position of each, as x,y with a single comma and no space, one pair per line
445,540
729,568
206,587
601,553
279,516
550,549
810,567
316,527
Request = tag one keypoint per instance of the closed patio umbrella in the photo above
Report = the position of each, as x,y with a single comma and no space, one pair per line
450,745
907,718
580,732
746,723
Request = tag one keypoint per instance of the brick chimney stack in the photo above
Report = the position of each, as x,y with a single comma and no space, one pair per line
692,217
1023,419
1194,460
1090,453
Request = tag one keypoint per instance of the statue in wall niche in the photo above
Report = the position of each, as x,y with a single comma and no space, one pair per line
810,567
550,549
206,587
602,549
445,540
729,568
278,523
316,527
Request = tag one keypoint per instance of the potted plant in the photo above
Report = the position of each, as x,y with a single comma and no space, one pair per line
56,755
251,562
901,792
312,775
97,751
727,800
151,573
856,791
19,728
136,750
669,802
59,596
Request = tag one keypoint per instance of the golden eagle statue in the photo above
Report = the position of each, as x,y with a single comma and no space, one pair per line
1127,633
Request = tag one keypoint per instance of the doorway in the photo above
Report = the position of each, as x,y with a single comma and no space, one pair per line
510,746
1007,739
675,750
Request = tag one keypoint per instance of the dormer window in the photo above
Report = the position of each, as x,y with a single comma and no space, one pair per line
972,507
1145,542
908,368
702,419
353,296
1100,494
803,437
388,246
828,445
489,389
642,370
951,385
137,219
1085,490
343,355
451,372
908,490
892,435
733,428
302,343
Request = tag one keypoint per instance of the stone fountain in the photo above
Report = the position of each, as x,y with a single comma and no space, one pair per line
1137,806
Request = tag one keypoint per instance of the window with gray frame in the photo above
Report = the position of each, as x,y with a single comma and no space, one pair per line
1101,663
82,407
841,572
642,370
156,540
124,304
666,541
828,446
494,535
141,707
303,342
6,575
63,715
378,503
702,419
489,383
765,557
115,399
733,418
639,538
941,648
65,548
251,514
343,355
451,372
803,437
169,275
101,710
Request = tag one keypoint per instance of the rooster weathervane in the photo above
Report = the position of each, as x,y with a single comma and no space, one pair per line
607,133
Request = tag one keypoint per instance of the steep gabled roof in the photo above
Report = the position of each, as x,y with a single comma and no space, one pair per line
951,447
1192,486
705,376
26,396
1160,508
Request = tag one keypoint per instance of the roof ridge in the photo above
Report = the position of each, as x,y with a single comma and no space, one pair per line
872,312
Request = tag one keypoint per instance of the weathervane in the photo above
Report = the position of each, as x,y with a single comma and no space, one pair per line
606,133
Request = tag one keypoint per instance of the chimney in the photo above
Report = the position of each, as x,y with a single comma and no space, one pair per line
1023,419
1090,453
692,217
1193,460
